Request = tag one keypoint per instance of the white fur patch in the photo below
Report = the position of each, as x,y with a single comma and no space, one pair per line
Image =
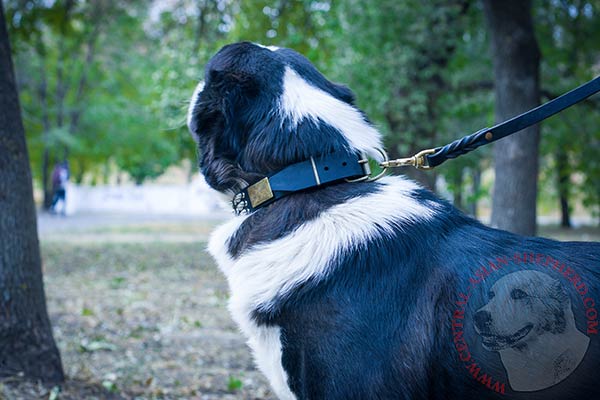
302,100
217,245
266,347
272,48
266,271
265,342
190,113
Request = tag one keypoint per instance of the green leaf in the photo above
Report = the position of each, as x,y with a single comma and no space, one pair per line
96,345
234,384
87,312
110,386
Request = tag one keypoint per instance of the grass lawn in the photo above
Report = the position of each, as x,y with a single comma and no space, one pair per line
142,321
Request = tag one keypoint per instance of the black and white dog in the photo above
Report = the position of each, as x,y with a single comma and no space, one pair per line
370,290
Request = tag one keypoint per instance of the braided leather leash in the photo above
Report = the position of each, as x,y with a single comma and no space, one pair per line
431,158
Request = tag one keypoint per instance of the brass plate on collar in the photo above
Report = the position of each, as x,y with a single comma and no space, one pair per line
260,192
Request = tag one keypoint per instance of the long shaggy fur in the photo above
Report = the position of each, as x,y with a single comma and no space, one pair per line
361,290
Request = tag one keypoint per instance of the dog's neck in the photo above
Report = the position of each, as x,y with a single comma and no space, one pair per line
316,172
545,361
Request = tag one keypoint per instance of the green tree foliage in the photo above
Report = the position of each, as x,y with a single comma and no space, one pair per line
421,70
105,83
410,64
184,36
58,66
411,68
305,26
568,33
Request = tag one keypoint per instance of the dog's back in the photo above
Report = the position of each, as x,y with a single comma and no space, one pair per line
390,313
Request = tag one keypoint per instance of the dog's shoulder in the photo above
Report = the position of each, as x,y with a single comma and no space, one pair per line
391,201
296,238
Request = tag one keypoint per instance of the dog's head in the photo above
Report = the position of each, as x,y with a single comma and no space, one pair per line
260,109
522,307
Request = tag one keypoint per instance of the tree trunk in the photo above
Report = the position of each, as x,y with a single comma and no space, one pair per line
45,171
472,207
516,72
79,171
562,170
26,342
457,195
46,181
90,53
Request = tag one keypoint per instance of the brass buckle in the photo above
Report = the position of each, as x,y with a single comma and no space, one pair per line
418,161
260,192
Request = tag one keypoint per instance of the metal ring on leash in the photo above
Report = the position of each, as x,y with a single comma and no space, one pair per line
384,169
368,177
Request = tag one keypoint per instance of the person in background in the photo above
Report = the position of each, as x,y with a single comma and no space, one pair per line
60,177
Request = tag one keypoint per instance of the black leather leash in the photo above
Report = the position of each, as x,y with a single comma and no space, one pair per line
431,158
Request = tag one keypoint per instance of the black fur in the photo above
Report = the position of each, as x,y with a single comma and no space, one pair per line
242,138
380,325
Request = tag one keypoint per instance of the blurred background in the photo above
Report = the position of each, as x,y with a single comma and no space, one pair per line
105,85
138,309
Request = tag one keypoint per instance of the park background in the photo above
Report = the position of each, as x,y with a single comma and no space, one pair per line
137,307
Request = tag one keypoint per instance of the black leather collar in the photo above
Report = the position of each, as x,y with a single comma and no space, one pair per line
311,173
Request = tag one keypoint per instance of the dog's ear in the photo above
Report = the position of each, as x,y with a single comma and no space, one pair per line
236,89
558,292
231,94
228,79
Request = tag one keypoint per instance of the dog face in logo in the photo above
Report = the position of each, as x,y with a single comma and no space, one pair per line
529,321
522,306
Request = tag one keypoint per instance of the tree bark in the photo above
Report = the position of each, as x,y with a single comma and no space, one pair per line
90,54
516,59
26,342
457,196
563,175
472,206
46,126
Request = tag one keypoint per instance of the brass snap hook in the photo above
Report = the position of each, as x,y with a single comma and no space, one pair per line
418,161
